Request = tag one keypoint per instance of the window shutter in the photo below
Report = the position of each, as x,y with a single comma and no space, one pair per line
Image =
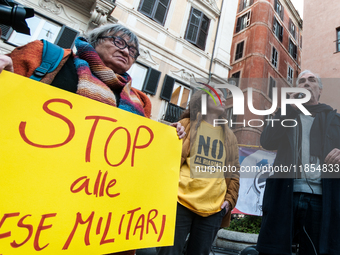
193,26
281,33
147,7
275,5
161,11
167,88
203,32
6,31
151,81
66,37
274,25
251,2
282,12
240,7
238,25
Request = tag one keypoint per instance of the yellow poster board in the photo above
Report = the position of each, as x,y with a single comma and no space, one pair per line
81,177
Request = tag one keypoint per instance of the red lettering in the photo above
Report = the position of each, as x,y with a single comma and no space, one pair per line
151,221
120,224
99,182
7,215
85,185
141,226
135,146
110,185
101,193
162,228
104,240
87,233
29,227
99,225
22,125
41,227
93,129
130,221
96,185
128,145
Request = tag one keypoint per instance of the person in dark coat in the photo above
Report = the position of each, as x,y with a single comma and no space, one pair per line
302,205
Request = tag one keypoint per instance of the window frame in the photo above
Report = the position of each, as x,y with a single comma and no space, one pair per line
196,42
59,40
243,22
290,74
153,13
337,41
292,28
275,57
278,29
239,55
292,49
245,4
272,84
279,9
230,116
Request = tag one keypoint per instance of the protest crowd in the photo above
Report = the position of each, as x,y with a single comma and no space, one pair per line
299,207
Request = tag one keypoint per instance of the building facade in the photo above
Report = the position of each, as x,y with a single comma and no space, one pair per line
265,54
321,46
180,41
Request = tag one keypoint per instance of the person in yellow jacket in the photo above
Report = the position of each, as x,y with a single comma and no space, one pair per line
209,178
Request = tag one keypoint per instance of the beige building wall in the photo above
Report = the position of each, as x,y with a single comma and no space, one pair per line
320,53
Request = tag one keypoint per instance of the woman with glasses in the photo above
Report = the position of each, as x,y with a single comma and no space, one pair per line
98,70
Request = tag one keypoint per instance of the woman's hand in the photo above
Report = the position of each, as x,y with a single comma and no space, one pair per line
180,129
6,63
226,206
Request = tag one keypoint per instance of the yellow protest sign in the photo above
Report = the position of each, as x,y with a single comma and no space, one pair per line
81,177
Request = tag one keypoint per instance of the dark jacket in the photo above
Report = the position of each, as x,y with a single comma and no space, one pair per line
277,221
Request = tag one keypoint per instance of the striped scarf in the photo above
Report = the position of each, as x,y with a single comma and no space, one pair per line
98,82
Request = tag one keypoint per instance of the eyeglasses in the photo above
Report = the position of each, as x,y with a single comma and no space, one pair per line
310,78
122,44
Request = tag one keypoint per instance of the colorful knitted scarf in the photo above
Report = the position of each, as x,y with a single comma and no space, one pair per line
98,82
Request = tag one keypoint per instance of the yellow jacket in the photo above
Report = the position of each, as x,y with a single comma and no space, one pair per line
232,158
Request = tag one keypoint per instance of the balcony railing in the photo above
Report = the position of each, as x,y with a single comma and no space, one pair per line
173,112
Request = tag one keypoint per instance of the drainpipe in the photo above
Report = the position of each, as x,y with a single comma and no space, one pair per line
212,56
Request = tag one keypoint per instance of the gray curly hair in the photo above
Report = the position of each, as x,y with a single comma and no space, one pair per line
111,29
316,76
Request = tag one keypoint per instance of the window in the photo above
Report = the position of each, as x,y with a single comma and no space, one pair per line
177,95
290,75
244,4
180,95
155,9
231,118
274,57
279,8
234,80
243,22
144,78
239,50
277,29
292,49
42,28
272,84
292,28
338,39
197,30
